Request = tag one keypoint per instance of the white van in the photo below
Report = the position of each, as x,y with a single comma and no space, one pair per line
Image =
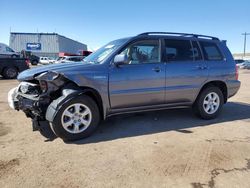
6,51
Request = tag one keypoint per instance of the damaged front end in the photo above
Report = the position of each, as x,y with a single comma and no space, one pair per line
33,96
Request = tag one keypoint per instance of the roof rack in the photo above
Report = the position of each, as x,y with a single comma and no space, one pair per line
179,34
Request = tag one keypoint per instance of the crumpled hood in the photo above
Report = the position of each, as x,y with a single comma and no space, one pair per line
59,68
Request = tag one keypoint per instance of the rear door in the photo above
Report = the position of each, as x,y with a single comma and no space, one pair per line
141,81
216,62
185,70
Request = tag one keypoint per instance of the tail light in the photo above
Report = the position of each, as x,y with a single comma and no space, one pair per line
236,72
27,62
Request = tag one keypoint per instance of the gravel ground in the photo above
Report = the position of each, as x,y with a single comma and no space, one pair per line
170,148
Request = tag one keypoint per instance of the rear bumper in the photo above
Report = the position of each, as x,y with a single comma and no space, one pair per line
233,87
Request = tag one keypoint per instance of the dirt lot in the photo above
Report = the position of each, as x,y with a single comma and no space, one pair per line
170,148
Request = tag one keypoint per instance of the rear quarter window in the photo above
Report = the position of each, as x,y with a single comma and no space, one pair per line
211,51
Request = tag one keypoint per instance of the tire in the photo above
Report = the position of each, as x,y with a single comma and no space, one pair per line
72,124
207,108
34,62
10,72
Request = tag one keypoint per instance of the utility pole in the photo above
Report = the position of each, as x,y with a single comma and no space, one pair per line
245,41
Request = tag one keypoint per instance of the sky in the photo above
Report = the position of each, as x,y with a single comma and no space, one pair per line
96,22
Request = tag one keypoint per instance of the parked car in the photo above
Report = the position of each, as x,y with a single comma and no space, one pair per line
245,65
151,71
10,67
69,59
6,51
58,59
29,55
240,62
46,60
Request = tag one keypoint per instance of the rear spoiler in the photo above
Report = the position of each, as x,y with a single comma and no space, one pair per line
224,42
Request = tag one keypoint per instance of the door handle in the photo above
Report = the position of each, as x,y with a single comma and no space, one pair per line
157,69
201,67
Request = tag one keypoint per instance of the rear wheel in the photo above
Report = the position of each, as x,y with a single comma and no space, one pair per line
10,72
34,62
209,103
77,118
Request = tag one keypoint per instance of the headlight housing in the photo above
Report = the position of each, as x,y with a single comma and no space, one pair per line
24,88
29,88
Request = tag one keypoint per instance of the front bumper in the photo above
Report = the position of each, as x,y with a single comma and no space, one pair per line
12,98
34,106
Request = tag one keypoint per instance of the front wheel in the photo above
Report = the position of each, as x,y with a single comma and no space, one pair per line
77,118
209,103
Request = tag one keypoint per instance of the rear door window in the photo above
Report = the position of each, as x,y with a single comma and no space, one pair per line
178,50
211,51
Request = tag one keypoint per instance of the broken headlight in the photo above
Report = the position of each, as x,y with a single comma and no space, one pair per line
24,88
29,88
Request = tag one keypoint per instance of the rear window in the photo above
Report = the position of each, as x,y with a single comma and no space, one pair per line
211,51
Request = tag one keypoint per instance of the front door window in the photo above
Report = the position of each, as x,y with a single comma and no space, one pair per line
147,51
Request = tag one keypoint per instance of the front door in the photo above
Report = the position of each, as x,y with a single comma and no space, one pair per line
141,81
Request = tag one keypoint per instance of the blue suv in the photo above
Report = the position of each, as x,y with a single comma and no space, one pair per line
151,71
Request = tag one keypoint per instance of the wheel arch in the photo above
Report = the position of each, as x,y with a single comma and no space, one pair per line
69,92
216,83
95,95
16,67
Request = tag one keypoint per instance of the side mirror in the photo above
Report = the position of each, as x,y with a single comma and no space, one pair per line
120,59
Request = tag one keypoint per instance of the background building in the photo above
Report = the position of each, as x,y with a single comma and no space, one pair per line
44,44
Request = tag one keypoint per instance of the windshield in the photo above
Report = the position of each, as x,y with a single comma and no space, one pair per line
103,52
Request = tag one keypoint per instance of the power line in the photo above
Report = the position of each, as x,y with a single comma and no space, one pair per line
245,41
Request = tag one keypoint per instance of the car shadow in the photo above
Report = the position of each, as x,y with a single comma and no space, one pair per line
179,120
2,78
